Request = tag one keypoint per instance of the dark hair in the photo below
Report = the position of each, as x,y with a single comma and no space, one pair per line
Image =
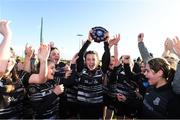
91,52
151,54
11,48
138,59
157,64
53,48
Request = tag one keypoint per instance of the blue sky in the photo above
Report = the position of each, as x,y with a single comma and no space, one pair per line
64,19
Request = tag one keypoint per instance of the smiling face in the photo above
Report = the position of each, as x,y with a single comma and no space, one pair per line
11,62
51,70
55,56
91,60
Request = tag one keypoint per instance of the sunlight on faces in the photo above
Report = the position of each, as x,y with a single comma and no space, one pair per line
55,56
51,70
91,61
11,61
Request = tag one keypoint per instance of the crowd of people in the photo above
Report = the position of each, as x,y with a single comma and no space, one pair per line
42,87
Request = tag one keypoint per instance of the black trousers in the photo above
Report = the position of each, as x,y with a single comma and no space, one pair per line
91,111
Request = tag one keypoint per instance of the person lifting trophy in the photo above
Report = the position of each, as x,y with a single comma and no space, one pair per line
98,34
90,75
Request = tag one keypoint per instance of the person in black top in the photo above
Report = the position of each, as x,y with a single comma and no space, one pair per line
125,92
139,78
71,91
42,88
109,96
157,102
61,69
90,86
11,88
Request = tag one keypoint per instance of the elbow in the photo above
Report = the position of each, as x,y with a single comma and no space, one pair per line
42,80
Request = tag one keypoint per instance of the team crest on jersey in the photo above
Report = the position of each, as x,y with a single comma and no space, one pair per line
156,101
1,84
32,90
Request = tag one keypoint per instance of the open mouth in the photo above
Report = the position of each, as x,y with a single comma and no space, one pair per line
91,66
56,60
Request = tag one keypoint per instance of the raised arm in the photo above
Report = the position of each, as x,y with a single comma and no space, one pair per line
5,45
80,60
116,55
70,75
142,49
106,55
43,54
168,47
127,68
176,80
28,54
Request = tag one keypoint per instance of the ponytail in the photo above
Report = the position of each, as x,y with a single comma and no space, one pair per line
171,75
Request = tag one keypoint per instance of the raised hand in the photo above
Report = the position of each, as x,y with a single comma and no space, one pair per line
58,89
68,71
89,36
115,40
43,52
126,59
4,45
176,46
4,29
168,44
75,57
140,37
28,51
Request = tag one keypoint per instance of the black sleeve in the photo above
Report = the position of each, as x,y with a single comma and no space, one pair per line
41,105
24,77
144,52
105,58
113,76
128,71
131,75
80,61
137,78
136,68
